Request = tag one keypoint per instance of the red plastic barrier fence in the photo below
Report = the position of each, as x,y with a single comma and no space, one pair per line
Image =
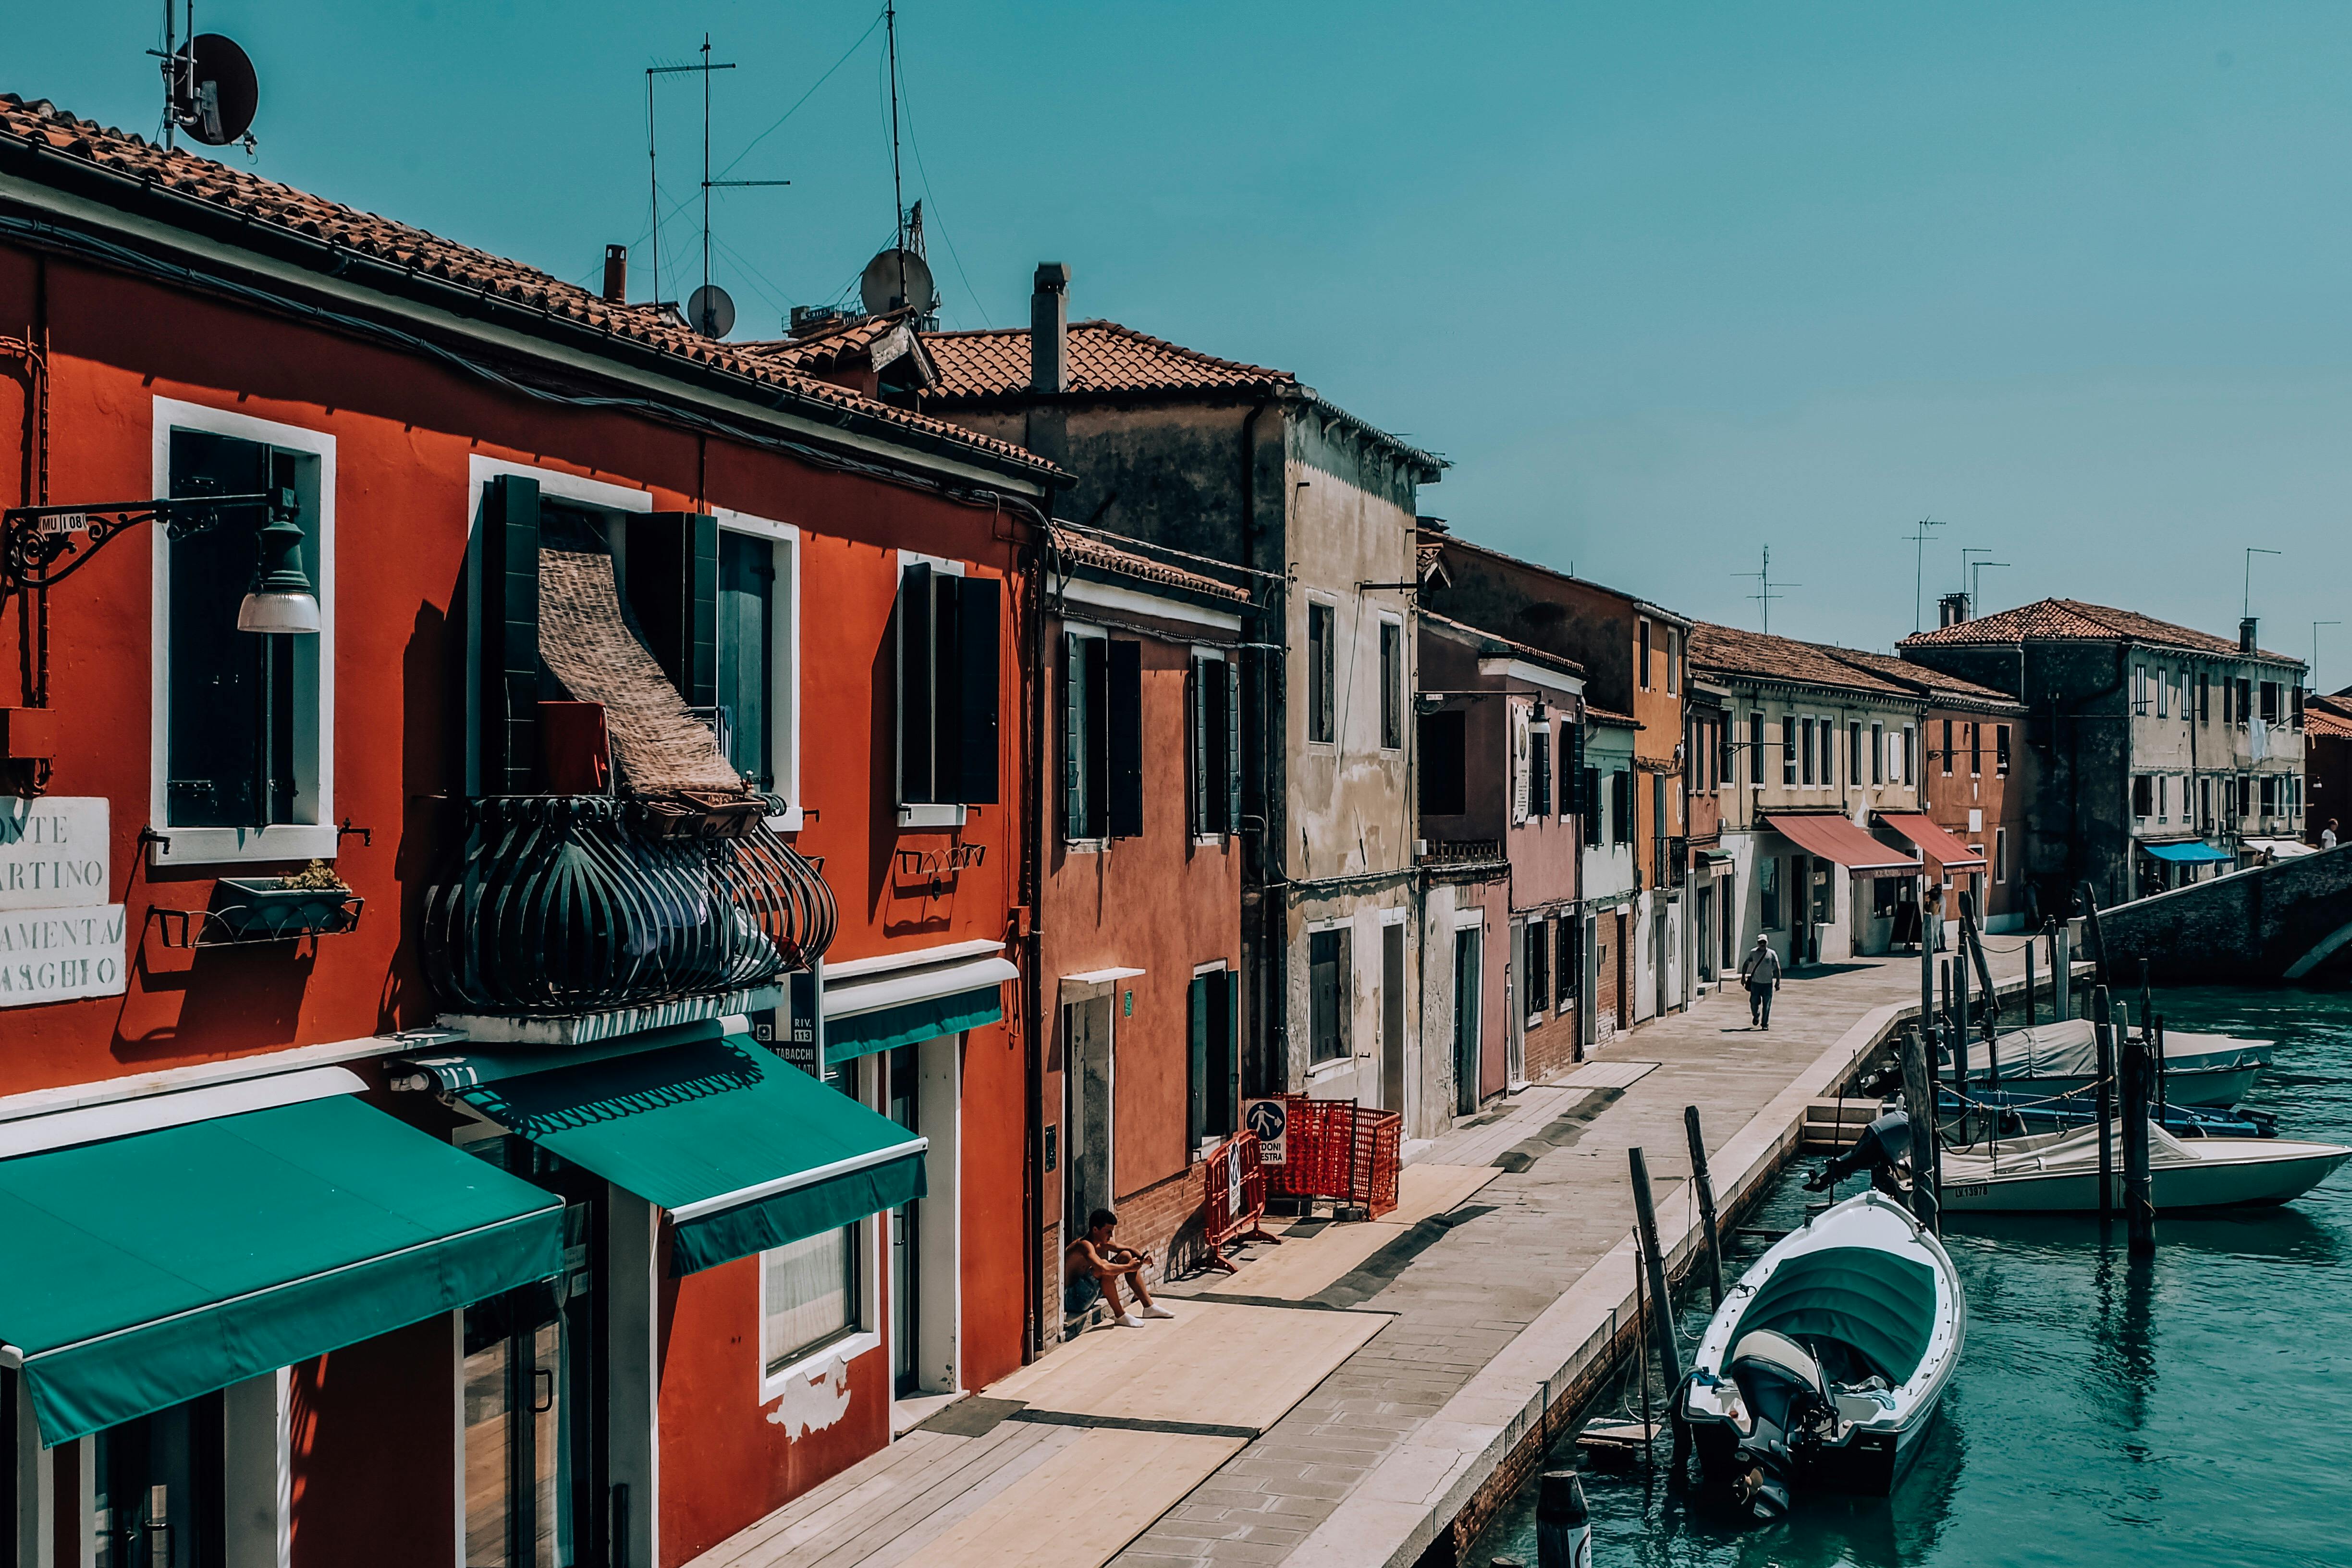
1338,1151
1234,1196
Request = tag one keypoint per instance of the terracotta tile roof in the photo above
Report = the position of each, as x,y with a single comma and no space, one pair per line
234,191
2072,620
2327,721
1934,683
1611,717
838,344
1104,357
1079,550
1494,643
1727,650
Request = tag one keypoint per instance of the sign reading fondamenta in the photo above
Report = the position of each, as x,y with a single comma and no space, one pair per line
55,955
59,937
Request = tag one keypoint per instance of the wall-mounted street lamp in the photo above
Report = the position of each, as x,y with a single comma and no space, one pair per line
41,546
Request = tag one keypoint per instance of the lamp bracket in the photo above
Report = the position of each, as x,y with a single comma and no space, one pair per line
34,540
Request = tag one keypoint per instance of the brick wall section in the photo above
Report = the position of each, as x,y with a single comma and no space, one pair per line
1551,1049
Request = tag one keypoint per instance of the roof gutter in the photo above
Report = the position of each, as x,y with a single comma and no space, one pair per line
347,280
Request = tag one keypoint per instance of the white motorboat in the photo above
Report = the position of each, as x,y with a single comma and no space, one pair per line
2060,1174
1824,1365
2063,1058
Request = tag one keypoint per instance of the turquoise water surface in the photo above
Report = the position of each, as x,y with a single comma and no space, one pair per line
2196,1410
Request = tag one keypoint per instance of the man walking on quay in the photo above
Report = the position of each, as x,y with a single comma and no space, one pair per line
1762,973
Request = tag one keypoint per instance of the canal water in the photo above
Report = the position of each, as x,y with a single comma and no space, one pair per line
2197,1411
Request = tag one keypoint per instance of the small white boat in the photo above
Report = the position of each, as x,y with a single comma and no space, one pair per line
2063,1058
2060,1174
1824,1365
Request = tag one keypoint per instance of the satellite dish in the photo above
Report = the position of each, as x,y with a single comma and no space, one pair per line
710,311
895,278
218,95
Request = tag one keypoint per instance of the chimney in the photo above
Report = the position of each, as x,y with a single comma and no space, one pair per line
1951,609
2246,634
1049,329
616,274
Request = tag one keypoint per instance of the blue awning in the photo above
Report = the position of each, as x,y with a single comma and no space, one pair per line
2188,852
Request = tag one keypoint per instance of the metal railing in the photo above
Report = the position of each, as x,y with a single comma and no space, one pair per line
571,904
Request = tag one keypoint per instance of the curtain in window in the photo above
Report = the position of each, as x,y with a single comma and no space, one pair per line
810,1294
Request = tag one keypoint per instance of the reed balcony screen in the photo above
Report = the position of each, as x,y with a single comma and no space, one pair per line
572,904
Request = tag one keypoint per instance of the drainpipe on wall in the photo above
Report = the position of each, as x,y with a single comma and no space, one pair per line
1266,1059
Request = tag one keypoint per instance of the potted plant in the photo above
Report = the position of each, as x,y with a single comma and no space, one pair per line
313,901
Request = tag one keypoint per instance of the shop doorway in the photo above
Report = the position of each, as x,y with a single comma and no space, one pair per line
533,1436
156,1487
904,1095
1393,1017
1466,1022
1087,1085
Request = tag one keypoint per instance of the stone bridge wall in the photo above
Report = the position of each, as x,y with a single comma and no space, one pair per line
2292,920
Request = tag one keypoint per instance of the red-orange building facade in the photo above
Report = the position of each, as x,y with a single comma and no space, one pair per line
449,426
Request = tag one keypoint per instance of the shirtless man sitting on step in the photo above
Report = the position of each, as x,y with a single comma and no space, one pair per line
1093,1266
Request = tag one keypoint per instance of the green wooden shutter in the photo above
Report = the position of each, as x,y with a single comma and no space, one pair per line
506,638
977,600
1592,794
1123,738
670,580
1198,1000
1232,821
1196,697
916,606
1074,738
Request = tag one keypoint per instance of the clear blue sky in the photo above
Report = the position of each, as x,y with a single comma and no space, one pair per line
1666,283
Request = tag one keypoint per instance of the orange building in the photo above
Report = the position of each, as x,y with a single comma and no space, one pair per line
412,1137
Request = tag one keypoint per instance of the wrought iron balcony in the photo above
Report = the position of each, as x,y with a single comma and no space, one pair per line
572,904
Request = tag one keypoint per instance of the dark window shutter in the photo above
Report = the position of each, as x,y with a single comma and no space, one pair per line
1443,748
671,583
1123,702
1233,770
1074,738
915,607
1572,799
507,636
1590,790
1539,760
1199,1002
1197,758
976,628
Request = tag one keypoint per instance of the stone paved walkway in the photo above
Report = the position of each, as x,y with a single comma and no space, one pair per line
1477,1303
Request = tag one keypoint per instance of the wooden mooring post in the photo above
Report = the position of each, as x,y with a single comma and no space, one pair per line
2028,982
2062,973
1662,1306
1919,1098
2139,1207
1563,1522
1706,1203
2102,1030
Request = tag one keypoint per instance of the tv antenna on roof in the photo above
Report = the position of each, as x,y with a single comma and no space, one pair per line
1919,573
708,311
209,88
900,276
1764,594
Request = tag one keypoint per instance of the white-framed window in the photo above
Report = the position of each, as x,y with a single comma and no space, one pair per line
243,738
1392,684
1084,754
1644,638
1322,671
1910,756
1878,753
2000,855
2163,692
760,655
810,1297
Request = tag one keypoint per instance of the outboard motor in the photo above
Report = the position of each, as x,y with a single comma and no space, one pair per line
1790,1403
1885,1150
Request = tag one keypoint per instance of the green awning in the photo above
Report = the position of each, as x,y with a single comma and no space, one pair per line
146,1270
888,1028
745,1151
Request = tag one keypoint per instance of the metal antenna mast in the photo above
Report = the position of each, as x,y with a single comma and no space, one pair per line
1974,570
2252,551
709,184
1919,571
1764,594
898,192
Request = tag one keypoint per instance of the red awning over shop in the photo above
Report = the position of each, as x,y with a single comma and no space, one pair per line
1835,839
1934,842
